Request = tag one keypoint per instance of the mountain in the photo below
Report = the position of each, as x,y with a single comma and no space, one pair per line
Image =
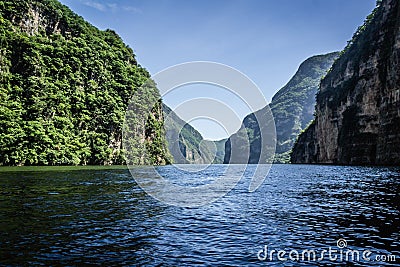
64,89
219,150
292,108
293,105
254,141
187,145
357,118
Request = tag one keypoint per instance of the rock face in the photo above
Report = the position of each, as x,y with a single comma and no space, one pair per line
254,142
292,108
64,89
358,106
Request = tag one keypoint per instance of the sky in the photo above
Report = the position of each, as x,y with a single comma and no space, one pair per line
265,40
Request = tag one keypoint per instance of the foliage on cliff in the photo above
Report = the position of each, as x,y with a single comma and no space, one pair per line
293,105
358,49
64,89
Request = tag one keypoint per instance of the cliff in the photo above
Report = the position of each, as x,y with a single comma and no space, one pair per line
358,105
254,141
292,108
64,89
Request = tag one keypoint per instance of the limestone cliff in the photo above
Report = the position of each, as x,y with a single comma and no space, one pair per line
358,105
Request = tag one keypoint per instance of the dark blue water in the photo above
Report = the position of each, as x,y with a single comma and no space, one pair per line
92,217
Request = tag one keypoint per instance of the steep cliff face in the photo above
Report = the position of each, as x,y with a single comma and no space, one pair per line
254,142
292,108
358,106
64,89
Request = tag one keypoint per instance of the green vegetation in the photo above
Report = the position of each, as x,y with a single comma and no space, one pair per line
293,105
357,49
64,89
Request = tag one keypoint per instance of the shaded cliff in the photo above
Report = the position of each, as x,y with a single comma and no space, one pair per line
358,105
219,150
292,108
254,142
187,145
64,89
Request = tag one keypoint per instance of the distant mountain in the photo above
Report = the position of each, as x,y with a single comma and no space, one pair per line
293,105
220,150
187,145
254,141
64,89
358,105
292,108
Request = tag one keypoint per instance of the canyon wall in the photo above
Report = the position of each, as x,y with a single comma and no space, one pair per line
358,104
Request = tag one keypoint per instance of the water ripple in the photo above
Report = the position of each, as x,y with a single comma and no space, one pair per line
93,217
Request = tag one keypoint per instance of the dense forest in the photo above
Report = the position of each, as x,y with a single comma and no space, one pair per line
64,89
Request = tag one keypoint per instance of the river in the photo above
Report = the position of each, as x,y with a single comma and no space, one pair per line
100,216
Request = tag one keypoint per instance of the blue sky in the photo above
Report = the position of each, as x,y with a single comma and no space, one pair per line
266,40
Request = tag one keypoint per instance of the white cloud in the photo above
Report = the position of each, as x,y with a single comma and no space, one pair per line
95,5
132,9
111,6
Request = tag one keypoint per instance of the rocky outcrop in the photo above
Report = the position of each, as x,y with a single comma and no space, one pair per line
306,150
358,106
